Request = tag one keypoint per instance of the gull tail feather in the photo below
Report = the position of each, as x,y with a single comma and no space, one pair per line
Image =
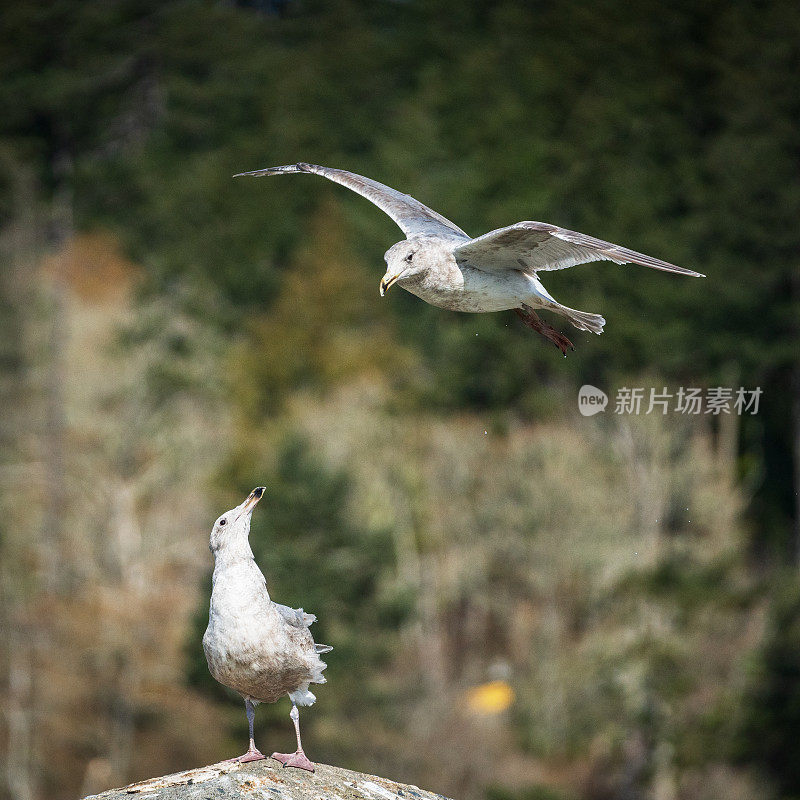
584,321
302,696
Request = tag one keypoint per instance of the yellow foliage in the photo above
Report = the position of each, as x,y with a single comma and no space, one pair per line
490,698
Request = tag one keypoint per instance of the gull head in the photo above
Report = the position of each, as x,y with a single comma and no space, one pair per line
233,527
408,261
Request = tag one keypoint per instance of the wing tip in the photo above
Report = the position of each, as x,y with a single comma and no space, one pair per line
667,267
301,166
654,263
257,173
689,273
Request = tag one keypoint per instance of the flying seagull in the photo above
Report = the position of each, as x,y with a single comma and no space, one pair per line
444,266
253,645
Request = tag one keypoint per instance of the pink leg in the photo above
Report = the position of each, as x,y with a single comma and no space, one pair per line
253,753
297,759
533,320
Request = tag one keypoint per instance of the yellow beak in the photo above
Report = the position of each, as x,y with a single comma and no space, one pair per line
387,282
252,500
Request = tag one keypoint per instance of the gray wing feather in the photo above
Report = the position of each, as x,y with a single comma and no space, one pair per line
539,246
413,217
296,617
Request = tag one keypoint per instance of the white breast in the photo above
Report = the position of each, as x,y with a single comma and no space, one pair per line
462,288
241,620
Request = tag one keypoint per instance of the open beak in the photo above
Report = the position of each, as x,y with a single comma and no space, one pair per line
252,500
386,282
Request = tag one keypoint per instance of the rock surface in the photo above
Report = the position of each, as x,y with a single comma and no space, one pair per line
267,780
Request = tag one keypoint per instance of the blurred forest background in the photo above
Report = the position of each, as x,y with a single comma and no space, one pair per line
524,604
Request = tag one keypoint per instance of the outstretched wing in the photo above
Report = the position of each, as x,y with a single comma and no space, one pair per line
535,246
412,217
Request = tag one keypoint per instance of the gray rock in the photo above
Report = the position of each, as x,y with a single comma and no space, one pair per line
267,780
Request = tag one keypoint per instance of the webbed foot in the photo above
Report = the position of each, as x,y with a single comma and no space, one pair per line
534,321
298,760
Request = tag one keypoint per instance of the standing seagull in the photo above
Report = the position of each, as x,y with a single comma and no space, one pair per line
261,649
444,266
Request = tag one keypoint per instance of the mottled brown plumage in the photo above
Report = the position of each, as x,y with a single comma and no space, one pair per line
259,648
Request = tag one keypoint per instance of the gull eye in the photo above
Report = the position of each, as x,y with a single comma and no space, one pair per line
410,257
223,522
